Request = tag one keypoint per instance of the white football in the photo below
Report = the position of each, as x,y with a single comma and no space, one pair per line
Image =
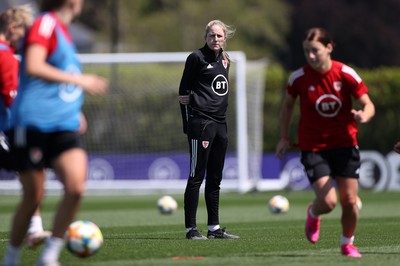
167,205
278,204
83,238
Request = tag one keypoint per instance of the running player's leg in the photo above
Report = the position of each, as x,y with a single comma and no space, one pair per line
346,167
348,188
318,168
325,196
323,203
33,190
28,147
318,171
71,168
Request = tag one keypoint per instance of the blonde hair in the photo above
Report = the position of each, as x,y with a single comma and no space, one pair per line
229,31
21,15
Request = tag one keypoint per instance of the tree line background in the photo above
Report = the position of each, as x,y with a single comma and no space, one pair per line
366,34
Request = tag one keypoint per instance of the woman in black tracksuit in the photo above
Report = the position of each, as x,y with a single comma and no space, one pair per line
203,97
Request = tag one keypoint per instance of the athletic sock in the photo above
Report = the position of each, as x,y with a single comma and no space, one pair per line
52,249
36,224
13,255
346,240
212,228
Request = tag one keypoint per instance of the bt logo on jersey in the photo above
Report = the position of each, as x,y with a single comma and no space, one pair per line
220,85
328,105
69,92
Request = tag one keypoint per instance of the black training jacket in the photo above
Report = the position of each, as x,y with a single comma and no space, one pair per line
205,79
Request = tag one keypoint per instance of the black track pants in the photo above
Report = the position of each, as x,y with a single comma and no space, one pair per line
208,142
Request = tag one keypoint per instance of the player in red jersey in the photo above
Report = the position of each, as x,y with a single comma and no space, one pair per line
327,134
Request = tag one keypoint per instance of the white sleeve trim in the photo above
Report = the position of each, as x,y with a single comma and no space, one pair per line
351,72
295,75
47,25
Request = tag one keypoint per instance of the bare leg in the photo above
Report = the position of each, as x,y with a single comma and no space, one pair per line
348,188
325,193
33,191
71,167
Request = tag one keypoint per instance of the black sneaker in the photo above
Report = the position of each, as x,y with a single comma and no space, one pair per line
221,233
194,234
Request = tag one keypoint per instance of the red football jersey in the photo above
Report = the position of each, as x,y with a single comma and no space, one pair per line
42,32
326,121
8,74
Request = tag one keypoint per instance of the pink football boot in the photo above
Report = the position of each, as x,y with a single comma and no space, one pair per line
312,227
350,251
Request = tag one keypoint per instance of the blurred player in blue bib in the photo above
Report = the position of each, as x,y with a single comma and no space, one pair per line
45,121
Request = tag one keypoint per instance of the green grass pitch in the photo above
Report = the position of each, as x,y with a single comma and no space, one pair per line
136,234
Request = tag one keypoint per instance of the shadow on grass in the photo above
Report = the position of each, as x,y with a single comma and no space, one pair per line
281,255
145,238
380,253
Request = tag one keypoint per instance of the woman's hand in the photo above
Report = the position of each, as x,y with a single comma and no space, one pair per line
281,148
184,99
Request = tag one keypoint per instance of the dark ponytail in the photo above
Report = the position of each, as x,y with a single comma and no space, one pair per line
320,35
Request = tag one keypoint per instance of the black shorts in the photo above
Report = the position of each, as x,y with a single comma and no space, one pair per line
343,162
31,149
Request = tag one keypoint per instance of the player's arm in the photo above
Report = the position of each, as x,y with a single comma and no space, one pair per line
185,114
367,109
185,87
284,121
37,66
